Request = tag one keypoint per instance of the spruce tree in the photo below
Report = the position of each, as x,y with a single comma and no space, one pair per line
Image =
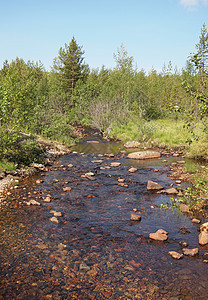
70,66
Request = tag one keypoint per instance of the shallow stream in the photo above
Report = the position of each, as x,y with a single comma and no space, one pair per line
96,251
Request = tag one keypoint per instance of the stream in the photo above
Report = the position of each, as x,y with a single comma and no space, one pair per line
95,251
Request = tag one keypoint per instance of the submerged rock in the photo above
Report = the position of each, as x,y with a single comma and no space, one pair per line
151,185
144,155
171,191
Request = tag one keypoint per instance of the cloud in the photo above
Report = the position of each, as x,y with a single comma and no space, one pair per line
193,3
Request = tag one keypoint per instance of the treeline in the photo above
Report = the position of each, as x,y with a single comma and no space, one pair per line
38,102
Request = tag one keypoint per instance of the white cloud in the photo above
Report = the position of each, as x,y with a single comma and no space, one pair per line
193,3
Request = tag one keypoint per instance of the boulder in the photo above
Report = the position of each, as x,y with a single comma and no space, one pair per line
175,254
190,252
196,221
203,236
159,235
132,144
54,220
151,185
144,154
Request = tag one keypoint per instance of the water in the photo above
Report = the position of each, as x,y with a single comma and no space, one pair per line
95,251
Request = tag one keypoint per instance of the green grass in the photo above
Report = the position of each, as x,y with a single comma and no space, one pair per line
6,166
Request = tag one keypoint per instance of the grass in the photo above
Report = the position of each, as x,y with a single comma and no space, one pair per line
6,166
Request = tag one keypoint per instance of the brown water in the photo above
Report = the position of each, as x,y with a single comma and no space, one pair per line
95,251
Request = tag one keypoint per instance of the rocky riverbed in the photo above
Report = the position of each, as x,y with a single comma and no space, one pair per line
71,232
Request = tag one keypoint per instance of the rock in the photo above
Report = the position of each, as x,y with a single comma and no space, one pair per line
135,217
98,161
184,230
92,142
204,227
89,174
121,180
196,221
144,155
54,220
171,191
203,238
181,162
39,166
70,166
184,208
32,202
57,214
67,189
178,181
175,254
190,252
123,184
159,235
151,185
47,199
132,144
84,267
133,170
115,164
183,244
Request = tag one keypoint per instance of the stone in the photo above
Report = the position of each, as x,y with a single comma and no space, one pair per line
175,254
54,220
183,244
33,202
159,235
144,155
151,185
67,189
204,227
84,267
184,208
70,166
171,191
89,174
115,164
132,144
203,238
121,180
98,161
92,142
135,217
190,252
57,214
133,170
196,221
47,199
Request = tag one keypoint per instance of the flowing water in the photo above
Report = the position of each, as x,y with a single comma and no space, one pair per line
95,251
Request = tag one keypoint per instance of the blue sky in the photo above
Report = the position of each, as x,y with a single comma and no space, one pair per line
154,32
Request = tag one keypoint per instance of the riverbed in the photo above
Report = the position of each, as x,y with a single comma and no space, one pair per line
92,250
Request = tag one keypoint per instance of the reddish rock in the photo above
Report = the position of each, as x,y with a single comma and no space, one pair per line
190,252
184,208
133,170
67,189
159,235
175,254
135,217
151,185
144,155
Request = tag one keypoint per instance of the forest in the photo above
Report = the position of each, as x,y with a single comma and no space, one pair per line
167,109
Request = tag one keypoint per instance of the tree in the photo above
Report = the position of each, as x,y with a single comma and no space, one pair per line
70,66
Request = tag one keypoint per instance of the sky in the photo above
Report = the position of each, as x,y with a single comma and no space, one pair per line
154,32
